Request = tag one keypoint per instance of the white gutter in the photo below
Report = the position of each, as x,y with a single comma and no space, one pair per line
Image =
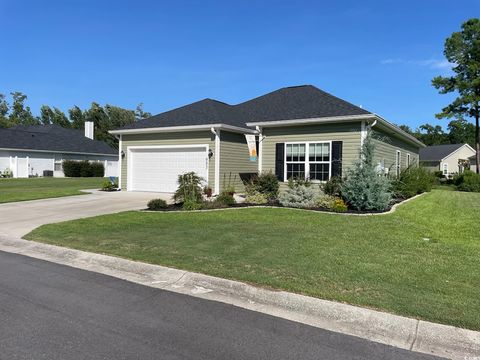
328,119
399,131
337,119
119,166
57,152
184,128
216,132
258,129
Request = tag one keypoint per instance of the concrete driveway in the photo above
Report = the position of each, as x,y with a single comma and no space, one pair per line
19,218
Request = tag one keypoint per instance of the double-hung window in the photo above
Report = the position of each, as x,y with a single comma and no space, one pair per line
295,160
309,160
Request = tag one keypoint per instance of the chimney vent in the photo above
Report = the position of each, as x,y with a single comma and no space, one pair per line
89,129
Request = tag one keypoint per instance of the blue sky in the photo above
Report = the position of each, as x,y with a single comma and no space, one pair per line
378,54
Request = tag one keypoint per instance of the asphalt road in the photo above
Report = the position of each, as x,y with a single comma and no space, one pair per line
50,311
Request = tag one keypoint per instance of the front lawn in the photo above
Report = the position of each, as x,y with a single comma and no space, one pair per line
40,188
422,261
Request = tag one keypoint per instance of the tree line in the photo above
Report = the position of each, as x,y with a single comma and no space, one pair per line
459,131
105,118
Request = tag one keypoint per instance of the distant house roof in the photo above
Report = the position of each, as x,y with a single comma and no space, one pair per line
52,138
296,102
438,152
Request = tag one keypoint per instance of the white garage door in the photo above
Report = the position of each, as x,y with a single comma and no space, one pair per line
157,169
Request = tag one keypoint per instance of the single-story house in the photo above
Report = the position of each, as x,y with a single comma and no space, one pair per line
448,158
299,131
28,151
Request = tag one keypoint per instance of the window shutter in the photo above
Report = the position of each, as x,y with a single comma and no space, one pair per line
280,161
337,147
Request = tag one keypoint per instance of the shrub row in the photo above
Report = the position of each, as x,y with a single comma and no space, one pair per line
72,168
467,181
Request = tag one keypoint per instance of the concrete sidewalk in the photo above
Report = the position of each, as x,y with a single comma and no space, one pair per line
402,332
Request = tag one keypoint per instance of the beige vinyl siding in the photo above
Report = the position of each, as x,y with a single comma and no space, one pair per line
179,138
234,160
349,133
386,146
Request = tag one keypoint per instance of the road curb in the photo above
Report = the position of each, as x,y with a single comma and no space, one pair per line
398,331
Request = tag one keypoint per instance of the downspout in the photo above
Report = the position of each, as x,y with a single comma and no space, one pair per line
260,149
216,132
119,138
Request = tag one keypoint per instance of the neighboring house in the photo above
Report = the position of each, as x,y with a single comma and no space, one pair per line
300,131
449,158
30,150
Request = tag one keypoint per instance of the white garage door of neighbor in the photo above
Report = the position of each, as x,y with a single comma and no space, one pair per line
157,169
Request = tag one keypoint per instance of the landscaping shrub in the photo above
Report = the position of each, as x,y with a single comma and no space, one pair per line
438,174
325,201
226,199
207,191
412,181
191,204
109,186
189,188
333,186
339,205
157,204
97,169
468,181
299,197
266,183
363,188
7,173
256,198
72,168
298,181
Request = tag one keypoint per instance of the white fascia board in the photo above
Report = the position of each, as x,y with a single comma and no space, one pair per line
59,152
321,120
205,127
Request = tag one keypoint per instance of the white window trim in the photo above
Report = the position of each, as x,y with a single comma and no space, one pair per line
408,159
145,147
445,168
398,162
307,158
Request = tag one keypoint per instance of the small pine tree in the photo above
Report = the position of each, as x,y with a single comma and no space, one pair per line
363,188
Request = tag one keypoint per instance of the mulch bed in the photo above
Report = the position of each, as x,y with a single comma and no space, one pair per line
178,207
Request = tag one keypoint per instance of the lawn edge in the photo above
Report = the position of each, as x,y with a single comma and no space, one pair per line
373,325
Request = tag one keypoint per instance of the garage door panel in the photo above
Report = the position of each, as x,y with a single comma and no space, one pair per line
158,169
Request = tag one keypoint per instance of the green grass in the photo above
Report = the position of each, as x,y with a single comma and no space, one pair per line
421,261
41,188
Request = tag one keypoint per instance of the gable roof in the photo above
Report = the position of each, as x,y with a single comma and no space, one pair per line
438,152
296,102
52,138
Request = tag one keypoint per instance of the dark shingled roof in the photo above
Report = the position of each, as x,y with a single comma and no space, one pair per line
438,152
51,138
296,102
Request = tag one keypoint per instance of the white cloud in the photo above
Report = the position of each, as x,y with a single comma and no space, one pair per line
431,63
